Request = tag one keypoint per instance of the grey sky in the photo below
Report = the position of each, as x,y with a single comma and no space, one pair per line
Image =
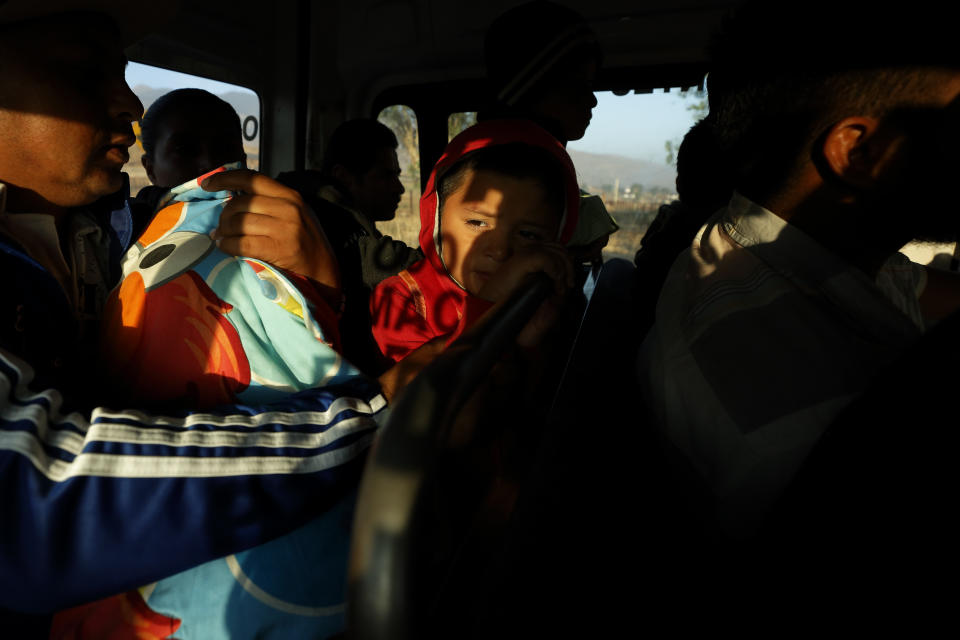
636,126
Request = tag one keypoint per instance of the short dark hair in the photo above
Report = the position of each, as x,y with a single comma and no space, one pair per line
354,145
774,90
178,100
516,160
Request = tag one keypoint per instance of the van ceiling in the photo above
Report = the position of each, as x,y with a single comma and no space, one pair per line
371,45
316,63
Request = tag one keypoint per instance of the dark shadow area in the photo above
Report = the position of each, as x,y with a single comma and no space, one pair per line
872,502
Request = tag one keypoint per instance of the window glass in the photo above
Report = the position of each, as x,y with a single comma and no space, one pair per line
938,255
402,120
149,83
457,122
628,157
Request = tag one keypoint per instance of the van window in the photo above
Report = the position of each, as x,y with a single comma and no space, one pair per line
938,255
149,83
402,120
457,122
628,157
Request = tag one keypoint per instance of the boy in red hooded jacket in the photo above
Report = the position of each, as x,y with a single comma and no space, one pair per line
499,205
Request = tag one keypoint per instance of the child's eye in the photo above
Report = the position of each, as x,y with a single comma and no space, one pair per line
532,236
476,224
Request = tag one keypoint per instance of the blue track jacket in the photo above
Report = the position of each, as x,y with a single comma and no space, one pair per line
97,500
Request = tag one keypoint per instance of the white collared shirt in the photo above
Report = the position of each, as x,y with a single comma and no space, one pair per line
761,337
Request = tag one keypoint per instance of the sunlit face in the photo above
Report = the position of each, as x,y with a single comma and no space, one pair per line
377,192
192,142
485,221
65,112
570,102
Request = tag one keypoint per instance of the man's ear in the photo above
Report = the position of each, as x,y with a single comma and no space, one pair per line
148,165
853,152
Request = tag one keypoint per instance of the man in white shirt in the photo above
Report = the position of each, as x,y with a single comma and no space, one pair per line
792,298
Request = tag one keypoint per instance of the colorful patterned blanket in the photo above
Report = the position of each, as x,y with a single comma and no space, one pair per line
193,325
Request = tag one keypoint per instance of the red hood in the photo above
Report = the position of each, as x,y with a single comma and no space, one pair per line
424,302
481,136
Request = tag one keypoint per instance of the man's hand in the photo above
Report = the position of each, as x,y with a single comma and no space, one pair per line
271,222
551,259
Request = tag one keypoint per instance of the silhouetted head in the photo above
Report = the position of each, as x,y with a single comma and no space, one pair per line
542,59
866,97
187,133
361,159
703,179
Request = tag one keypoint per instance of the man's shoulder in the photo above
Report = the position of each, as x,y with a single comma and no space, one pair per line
716,277
763,341
340,225
747,363
383,257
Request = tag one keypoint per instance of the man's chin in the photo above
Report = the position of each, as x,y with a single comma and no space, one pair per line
577,131
105,183
386,217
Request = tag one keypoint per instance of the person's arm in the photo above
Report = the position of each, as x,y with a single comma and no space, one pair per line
383,257
95,505
397,319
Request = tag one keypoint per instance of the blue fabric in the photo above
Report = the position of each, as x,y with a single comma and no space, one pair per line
292,587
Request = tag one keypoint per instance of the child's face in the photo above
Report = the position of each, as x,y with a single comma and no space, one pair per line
489,218
190,144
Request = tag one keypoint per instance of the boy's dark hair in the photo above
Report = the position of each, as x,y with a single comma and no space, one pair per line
516,160
354,145
775,86
180,100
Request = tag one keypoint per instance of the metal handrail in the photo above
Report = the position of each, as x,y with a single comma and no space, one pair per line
384,599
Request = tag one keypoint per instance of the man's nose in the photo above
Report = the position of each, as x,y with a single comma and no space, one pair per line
399,188
593,100
124,103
